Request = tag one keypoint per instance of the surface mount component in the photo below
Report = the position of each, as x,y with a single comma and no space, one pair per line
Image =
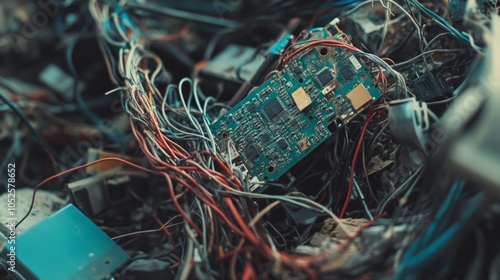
359,97
301,98
288,115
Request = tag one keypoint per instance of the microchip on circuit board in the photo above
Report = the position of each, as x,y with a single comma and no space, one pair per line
273,108
325,76
347,72
289,117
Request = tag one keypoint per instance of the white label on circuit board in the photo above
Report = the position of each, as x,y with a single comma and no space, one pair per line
355,62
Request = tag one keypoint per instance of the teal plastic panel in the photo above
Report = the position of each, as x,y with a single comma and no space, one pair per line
66,246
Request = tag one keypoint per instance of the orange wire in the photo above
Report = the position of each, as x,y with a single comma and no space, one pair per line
248,273
171,37
90,164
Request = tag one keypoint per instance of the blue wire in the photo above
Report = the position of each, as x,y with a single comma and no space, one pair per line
124,21
340,3
446,211
429,253
420,242
26,121
113,134
443,22
424,250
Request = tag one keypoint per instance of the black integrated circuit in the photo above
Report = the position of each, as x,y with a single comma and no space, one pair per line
251,152
282,144
265,137
347,72
273,109
325,76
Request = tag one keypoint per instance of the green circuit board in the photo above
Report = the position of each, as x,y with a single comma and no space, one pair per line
289,115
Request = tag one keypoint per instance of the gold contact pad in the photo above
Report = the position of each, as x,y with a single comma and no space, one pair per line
359,97
301,98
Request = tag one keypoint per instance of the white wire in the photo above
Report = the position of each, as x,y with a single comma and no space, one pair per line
173,126
421,39
204,117
425,53
115,90
195,122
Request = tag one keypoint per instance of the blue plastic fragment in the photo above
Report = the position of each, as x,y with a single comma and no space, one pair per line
65,246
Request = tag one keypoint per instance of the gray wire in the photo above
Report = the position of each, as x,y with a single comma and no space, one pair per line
204,227
362,197
433,116
184,270
400,189
425,53
421,38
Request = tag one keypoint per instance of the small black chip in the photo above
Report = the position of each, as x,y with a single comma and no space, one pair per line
251,107
293,122
285,118
347,73
303,124
265,138
249,139
273,108
324,77
297,70
251,152
282,144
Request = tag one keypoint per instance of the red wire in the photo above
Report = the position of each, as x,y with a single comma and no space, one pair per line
248,273
224,166
170,37
75,169
321,42
130,241
90,164
247,231
353,165
178,206
167,233
360,230
310,272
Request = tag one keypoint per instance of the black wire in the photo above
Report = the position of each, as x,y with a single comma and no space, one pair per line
375,138
170,12
83,105
29,210
344,178
26,121
404,41
477,264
